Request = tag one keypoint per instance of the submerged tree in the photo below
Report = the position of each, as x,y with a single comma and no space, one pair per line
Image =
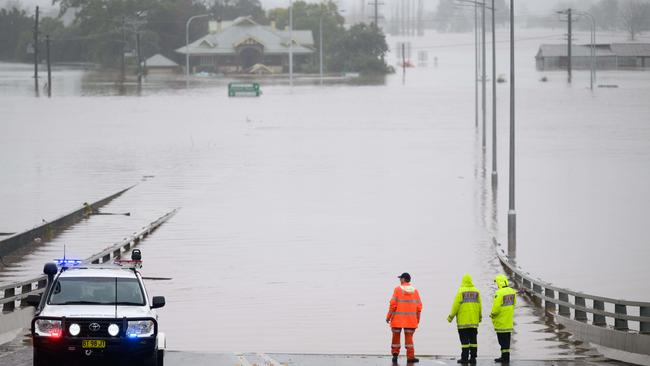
635,17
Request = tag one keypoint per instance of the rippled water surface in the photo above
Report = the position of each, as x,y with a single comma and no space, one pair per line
299,208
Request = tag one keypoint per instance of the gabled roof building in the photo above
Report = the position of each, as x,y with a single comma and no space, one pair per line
236,46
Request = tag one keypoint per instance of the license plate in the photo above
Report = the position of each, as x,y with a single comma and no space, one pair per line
93,343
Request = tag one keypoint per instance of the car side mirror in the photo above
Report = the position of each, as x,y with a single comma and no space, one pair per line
157,302
33,300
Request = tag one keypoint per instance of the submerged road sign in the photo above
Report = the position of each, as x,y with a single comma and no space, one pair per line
244,89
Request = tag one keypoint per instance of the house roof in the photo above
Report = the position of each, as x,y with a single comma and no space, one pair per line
631,49
560,50
243,29
159,60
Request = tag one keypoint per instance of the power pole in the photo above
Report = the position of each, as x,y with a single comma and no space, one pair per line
512,214
569,45
494,101
483,78
36,51
49,66
139,58
123,64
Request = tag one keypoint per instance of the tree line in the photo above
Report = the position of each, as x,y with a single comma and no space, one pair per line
101,31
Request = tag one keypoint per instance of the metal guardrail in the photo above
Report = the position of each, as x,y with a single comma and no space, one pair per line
577,305
18,292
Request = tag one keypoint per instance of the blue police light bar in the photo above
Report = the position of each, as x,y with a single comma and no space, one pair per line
68,262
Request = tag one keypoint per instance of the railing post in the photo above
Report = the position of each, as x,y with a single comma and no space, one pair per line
620,324
563,309
599,320
11,305
548,304
537,291
644,328
24,290
580,315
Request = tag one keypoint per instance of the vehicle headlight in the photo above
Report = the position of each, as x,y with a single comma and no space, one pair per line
74,329
113,330
140,328
48,328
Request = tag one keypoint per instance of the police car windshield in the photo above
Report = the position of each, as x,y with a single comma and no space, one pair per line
96,291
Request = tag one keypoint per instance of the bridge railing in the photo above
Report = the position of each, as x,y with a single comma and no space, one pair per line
14,295
578,306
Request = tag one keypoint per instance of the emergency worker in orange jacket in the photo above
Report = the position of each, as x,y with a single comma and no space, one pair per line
404,313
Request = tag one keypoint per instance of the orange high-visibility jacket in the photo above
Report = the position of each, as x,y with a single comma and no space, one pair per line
405,307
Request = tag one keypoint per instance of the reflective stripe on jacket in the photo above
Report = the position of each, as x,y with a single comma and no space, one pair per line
503,308
467,305
405,307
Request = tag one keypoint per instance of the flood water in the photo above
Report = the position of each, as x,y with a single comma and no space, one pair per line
300,208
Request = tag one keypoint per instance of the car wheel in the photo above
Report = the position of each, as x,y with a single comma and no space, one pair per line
161,357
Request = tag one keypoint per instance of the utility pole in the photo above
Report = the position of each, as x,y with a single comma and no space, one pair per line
291,44
420,25
494,101
483,78
512,215
123,63
569,45
139,58
36,51
476,65
49,66
320,41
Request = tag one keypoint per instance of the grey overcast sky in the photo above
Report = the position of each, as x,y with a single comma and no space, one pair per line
530,6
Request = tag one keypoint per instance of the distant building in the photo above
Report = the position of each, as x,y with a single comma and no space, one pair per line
159,64
608,56
236,46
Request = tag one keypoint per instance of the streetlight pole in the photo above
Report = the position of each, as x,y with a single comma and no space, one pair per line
483,102
494,101
512,214
187,46
291,43
476,65
592,76
320,52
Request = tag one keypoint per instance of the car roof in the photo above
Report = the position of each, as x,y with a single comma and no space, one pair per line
98,271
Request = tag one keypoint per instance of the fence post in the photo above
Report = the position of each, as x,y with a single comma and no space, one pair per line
599,320
645,326
564,310
11,305
548,304
24,290
537,291
620,324
581,315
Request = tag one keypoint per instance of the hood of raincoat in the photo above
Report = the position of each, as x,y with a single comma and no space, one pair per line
408,288
467,281
501,281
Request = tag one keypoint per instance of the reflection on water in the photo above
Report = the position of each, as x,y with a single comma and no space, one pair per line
299,208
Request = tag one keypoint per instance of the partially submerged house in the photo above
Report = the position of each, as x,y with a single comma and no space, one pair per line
159,64
238,45
608,56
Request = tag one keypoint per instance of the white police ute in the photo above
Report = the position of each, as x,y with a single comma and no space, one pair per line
96,312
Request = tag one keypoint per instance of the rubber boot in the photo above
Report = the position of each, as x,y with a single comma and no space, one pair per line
464,357
413,360
472,355
504,359
395,357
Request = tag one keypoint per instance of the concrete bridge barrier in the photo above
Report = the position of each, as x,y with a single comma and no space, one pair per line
619,329
48,230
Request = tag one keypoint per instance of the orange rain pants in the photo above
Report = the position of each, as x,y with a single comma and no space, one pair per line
408,342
